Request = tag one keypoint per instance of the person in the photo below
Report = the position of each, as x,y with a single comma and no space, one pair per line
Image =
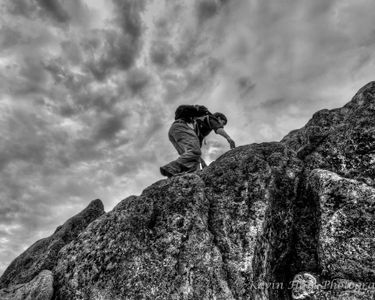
192,124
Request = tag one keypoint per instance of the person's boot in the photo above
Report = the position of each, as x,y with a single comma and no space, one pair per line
185,170
165,172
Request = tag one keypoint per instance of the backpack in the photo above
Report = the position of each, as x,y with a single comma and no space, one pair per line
189,112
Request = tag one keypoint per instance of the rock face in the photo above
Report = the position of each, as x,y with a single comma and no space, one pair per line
258,217
346,248
150,247
346,238
341,141
189,233
252,190
44,253
40,288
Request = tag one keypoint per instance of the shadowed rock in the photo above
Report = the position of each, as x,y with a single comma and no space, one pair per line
44,253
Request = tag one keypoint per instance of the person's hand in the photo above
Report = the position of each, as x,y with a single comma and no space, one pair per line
231,143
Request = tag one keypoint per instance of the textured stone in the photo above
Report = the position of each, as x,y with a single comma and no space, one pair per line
224,229
155,246
43,254
347,224
251,190
342,141
258,217
40,288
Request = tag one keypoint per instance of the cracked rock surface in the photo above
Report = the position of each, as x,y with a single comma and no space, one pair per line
243,228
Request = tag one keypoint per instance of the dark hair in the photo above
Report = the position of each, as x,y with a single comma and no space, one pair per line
221,116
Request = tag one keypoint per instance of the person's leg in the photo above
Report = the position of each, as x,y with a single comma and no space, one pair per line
187,145
187,141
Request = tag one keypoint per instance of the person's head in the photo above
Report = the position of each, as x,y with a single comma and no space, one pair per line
221,118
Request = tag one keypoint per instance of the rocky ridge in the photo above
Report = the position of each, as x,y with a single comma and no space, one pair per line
43,254
259,217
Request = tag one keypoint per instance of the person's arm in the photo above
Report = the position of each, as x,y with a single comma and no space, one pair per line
222,132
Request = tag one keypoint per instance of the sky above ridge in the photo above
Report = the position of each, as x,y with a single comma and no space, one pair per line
88,90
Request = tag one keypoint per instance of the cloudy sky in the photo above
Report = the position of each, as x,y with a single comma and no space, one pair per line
88,90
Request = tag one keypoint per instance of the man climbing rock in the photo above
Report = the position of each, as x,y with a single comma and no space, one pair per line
192,124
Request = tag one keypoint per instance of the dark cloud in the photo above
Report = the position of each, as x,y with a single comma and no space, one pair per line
362,60
196,81
316,9
25,78
32,70
176,38
98,48
111,51
274,104
32,152
79,96
84,149
33,78
129,17
80,14
206,9
11,194
148,132
100,102
100,69
9,37
68,110
127,165
161,53
186,54
191,83
20,41
20,7
133,164
137,80
171,17
8,209
54,9
108,128
120,50
123,51
73,52
56,69
25,141
245,86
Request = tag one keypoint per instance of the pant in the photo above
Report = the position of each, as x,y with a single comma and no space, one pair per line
186,142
